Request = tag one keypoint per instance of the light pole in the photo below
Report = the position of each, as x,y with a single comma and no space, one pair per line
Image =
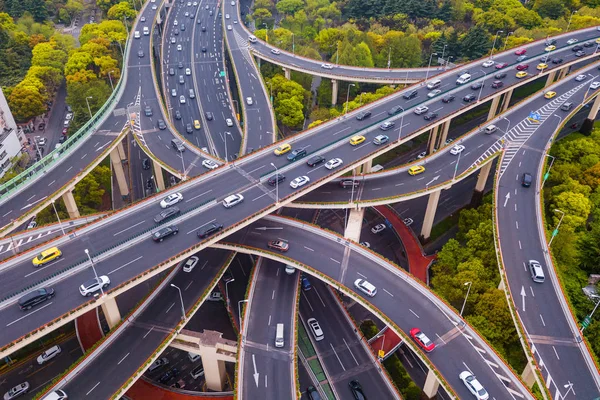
494,45
225,140
348,97
444,52
266,32
227,290
88,104
466,297
182,166
270,91
569,386
506,40
337,54
456,166
570,18
276,183
587,321
401,123
240,310
507,125
448,62
482,84
183,317
111,82
293,44
35,140
94,269
57,217
555,231
547,174
389,64
429,65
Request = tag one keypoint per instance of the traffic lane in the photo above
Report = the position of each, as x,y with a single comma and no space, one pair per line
270,383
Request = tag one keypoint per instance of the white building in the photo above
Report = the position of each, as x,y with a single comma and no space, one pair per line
10,138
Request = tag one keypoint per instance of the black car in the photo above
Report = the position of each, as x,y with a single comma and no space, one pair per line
275,179
296,154
162,233
177,115
179,65
500,75
410,94
557,61
209,116
36,297
356,390
580,53
188,128
147,111
166,213
149,184
171,71
430,116
140,54
316,160
167,376
448,98
576,48
588,44
395,110
469,98
209,229
161,125
203,49
477,85
62,139
497,84
363,115
550,42
526,180
146,163
203,28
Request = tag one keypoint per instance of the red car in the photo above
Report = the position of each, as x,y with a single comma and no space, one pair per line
501,65
65,130
422,340
280,245
520,52
522,67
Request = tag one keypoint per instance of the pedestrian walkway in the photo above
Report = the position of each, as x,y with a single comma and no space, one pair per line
88,329
386,340
143,389
418,262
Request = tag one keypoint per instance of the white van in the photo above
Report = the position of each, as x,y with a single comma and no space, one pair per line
193,357
146,31
279,336
56,395
252,39
48,354
197,372
464,78
136,34
290,270
490,129
436,83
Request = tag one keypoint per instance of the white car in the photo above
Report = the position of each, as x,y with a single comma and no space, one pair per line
32,224
232,200
93,285
48,354
327,66
249,101
572,41
473,385
421,110
171,200
187,14
42,141
154,6
378,228
17,391
233,3
173,93
158,363
595,85
210,164
229,27
365,287
434,93
188,71
182,99
226,16
421,155
175,23
487,64
179,47
580,78
173,41
333,163
195,3
69,116
190,264
366,244
457,149
299,181
229,122
275,51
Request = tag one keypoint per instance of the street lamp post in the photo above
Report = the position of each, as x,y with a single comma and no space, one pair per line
225,140
401,123
555,231
466,297
569,387
276,183
337,54
111,82
389,64
237,109
183,317
444,52
240,309
293,44
494,45
57,217
88,104
182,166
360,98
227,290
37,147
506,40
429,65
348,97
570,18
94,269
482,84
507,125
588,319
448,62
270,91
547,174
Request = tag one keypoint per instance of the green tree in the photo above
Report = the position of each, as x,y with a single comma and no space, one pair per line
121,10
552,9
289,7
25,102
289,112
476,43
576,207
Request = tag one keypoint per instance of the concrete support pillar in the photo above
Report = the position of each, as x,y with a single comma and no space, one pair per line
432,204
528,375
159,180
550,79
444,135
214,372
334,92
111,312
121,150
493,108
358,170
355,220
432,139
117,165
506,100
484,172
431,385
366,167
588,124
70,204
288,73
563,72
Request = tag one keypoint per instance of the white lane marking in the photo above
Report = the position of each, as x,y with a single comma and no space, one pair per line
388,292
351,353
334,260
51,183
542,318
122,359
31,313
95,386
188,285
200,195
126,229
43,268
308,248
147,333
555,352
520,248
338,357
169,309
124,265
319,296
195,229
414,313
439,337
358,273
532,294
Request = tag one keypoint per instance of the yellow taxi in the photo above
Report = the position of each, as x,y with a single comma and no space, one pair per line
550,48
550,94
356,140
282,149
196,124
46,256
416,170
542,66
598,40
521,74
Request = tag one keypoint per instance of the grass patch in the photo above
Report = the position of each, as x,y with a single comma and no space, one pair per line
444,226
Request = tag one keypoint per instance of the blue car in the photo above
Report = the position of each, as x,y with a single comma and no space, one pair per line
306,284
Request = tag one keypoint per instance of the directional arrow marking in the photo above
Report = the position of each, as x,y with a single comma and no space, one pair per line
435,178
256,374
506,199
523,295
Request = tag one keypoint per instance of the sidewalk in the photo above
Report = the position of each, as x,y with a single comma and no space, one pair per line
418,262
88,329
387,342
146,390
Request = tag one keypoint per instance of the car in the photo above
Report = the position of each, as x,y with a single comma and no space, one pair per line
182,27
416,170
173,92
32,224
387,125
521,74
158,363
434,93
306,286
182,99
180,65
232,200
363,115
550,48
327,66
172,73
17,391
229,122
345,183
356,140
366,244
249,101
93,285
279,245
299,181
166,214
171,200
572,41
191,262
473,385
542,66
147,111
188,72
522,67
567,106
315,329
487,63
142,19
275,51
188,128
421,155
42,141
161,124
500,75
501,65
380,139
526,179
209,116
557,61
378,228
395,110
410,94
421,110
430,116
282,149
333,163
356,390
520,52
316,160
140,53
175,23
545,58
276,179
209,164
448,98
595,85
48,355
457,149
296,154
167,376
179,47
549,94
408,221
580,53
588,44
46,256
228,276
597,40
177,115
162,233
207,231
62,139
173,40
580,78
422,340
497,84
197,124
365,287
536,271
69,116
469,98
549,42
65,131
